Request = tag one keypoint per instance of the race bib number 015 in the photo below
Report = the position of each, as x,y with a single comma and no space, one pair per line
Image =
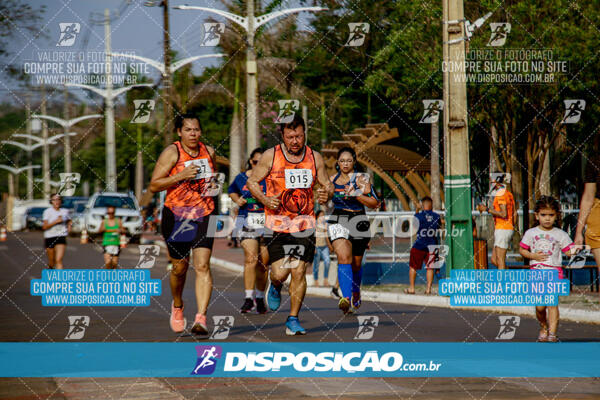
298,178
255,220
203,167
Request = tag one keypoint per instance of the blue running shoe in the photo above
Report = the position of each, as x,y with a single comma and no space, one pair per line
274,297
293,327
356,302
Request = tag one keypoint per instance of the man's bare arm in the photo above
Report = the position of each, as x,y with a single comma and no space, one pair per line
260,172
322,177
585,207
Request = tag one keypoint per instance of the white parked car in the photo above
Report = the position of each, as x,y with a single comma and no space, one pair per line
126,207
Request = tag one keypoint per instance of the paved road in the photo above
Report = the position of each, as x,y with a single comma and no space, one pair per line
24,319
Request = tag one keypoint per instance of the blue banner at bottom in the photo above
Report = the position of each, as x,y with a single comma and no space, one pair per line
302,359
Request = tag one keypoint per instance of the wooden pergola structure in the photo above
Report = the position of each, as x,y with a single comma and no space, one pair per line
407,173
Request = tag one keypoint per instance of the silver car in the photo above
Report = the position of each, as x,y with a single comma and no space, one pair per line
126,208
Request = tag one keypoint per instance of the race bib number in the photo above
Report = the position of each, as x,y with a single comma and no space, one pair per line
112,250
255,220
298,178
203,167
337,231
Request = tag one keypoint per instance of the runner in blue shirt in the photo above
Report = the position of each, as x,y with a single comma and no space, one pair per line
249,227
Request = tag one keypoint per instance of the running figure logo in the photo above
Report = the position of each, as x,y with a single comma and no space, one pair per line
68,183
502,178
77,326
148,254
212,33
207,359
68,33
433,108
223,324
500,31
366,326
578,259
142,111
508,327
287,110
358,33
293,253
573,109
185,225
437,255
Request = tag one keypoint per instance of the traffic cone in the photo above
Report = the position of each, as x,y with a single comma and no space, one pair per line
2,234
84,236
123,241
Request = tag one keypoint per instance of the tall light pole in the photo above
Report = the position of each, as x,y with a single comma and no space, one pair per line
14,172
251,23
167,76
67,124
109,124
457,179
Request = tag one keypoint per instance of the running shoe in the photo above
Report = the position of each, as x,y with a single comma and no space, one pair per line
199,327
274,297
177,321
260,306
293,327
247,306
356,302
344,304
335,293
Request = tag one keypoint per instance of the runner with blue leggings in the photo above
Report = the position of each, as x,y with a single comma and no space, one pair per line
348,228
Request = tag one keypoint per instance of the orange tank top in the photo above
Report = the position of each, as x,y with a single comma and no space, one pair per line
293,184
185,198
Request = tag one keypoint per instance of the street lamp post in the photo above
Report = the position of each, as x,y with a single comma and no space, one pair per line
251,23
109,95
67,124
15,172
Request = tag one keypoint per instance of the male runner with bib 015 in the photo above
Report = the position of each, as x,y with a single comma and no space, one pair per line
290,170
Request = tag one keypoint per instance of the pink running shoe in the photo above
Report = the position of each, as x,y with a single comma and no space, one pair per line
177,321
199,327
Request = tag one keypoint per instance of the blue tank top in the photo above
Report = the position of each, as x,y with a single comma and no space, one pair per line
343,202
239,186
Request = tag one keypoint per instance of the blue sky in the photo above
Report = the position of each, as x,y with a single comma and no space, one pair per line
138,29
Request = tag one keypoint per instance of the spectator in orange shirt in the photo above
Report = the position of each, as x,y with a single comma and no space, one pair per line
505,221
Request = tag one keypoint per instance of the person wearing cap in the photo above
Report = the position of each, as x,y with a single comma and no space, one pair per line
505,220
